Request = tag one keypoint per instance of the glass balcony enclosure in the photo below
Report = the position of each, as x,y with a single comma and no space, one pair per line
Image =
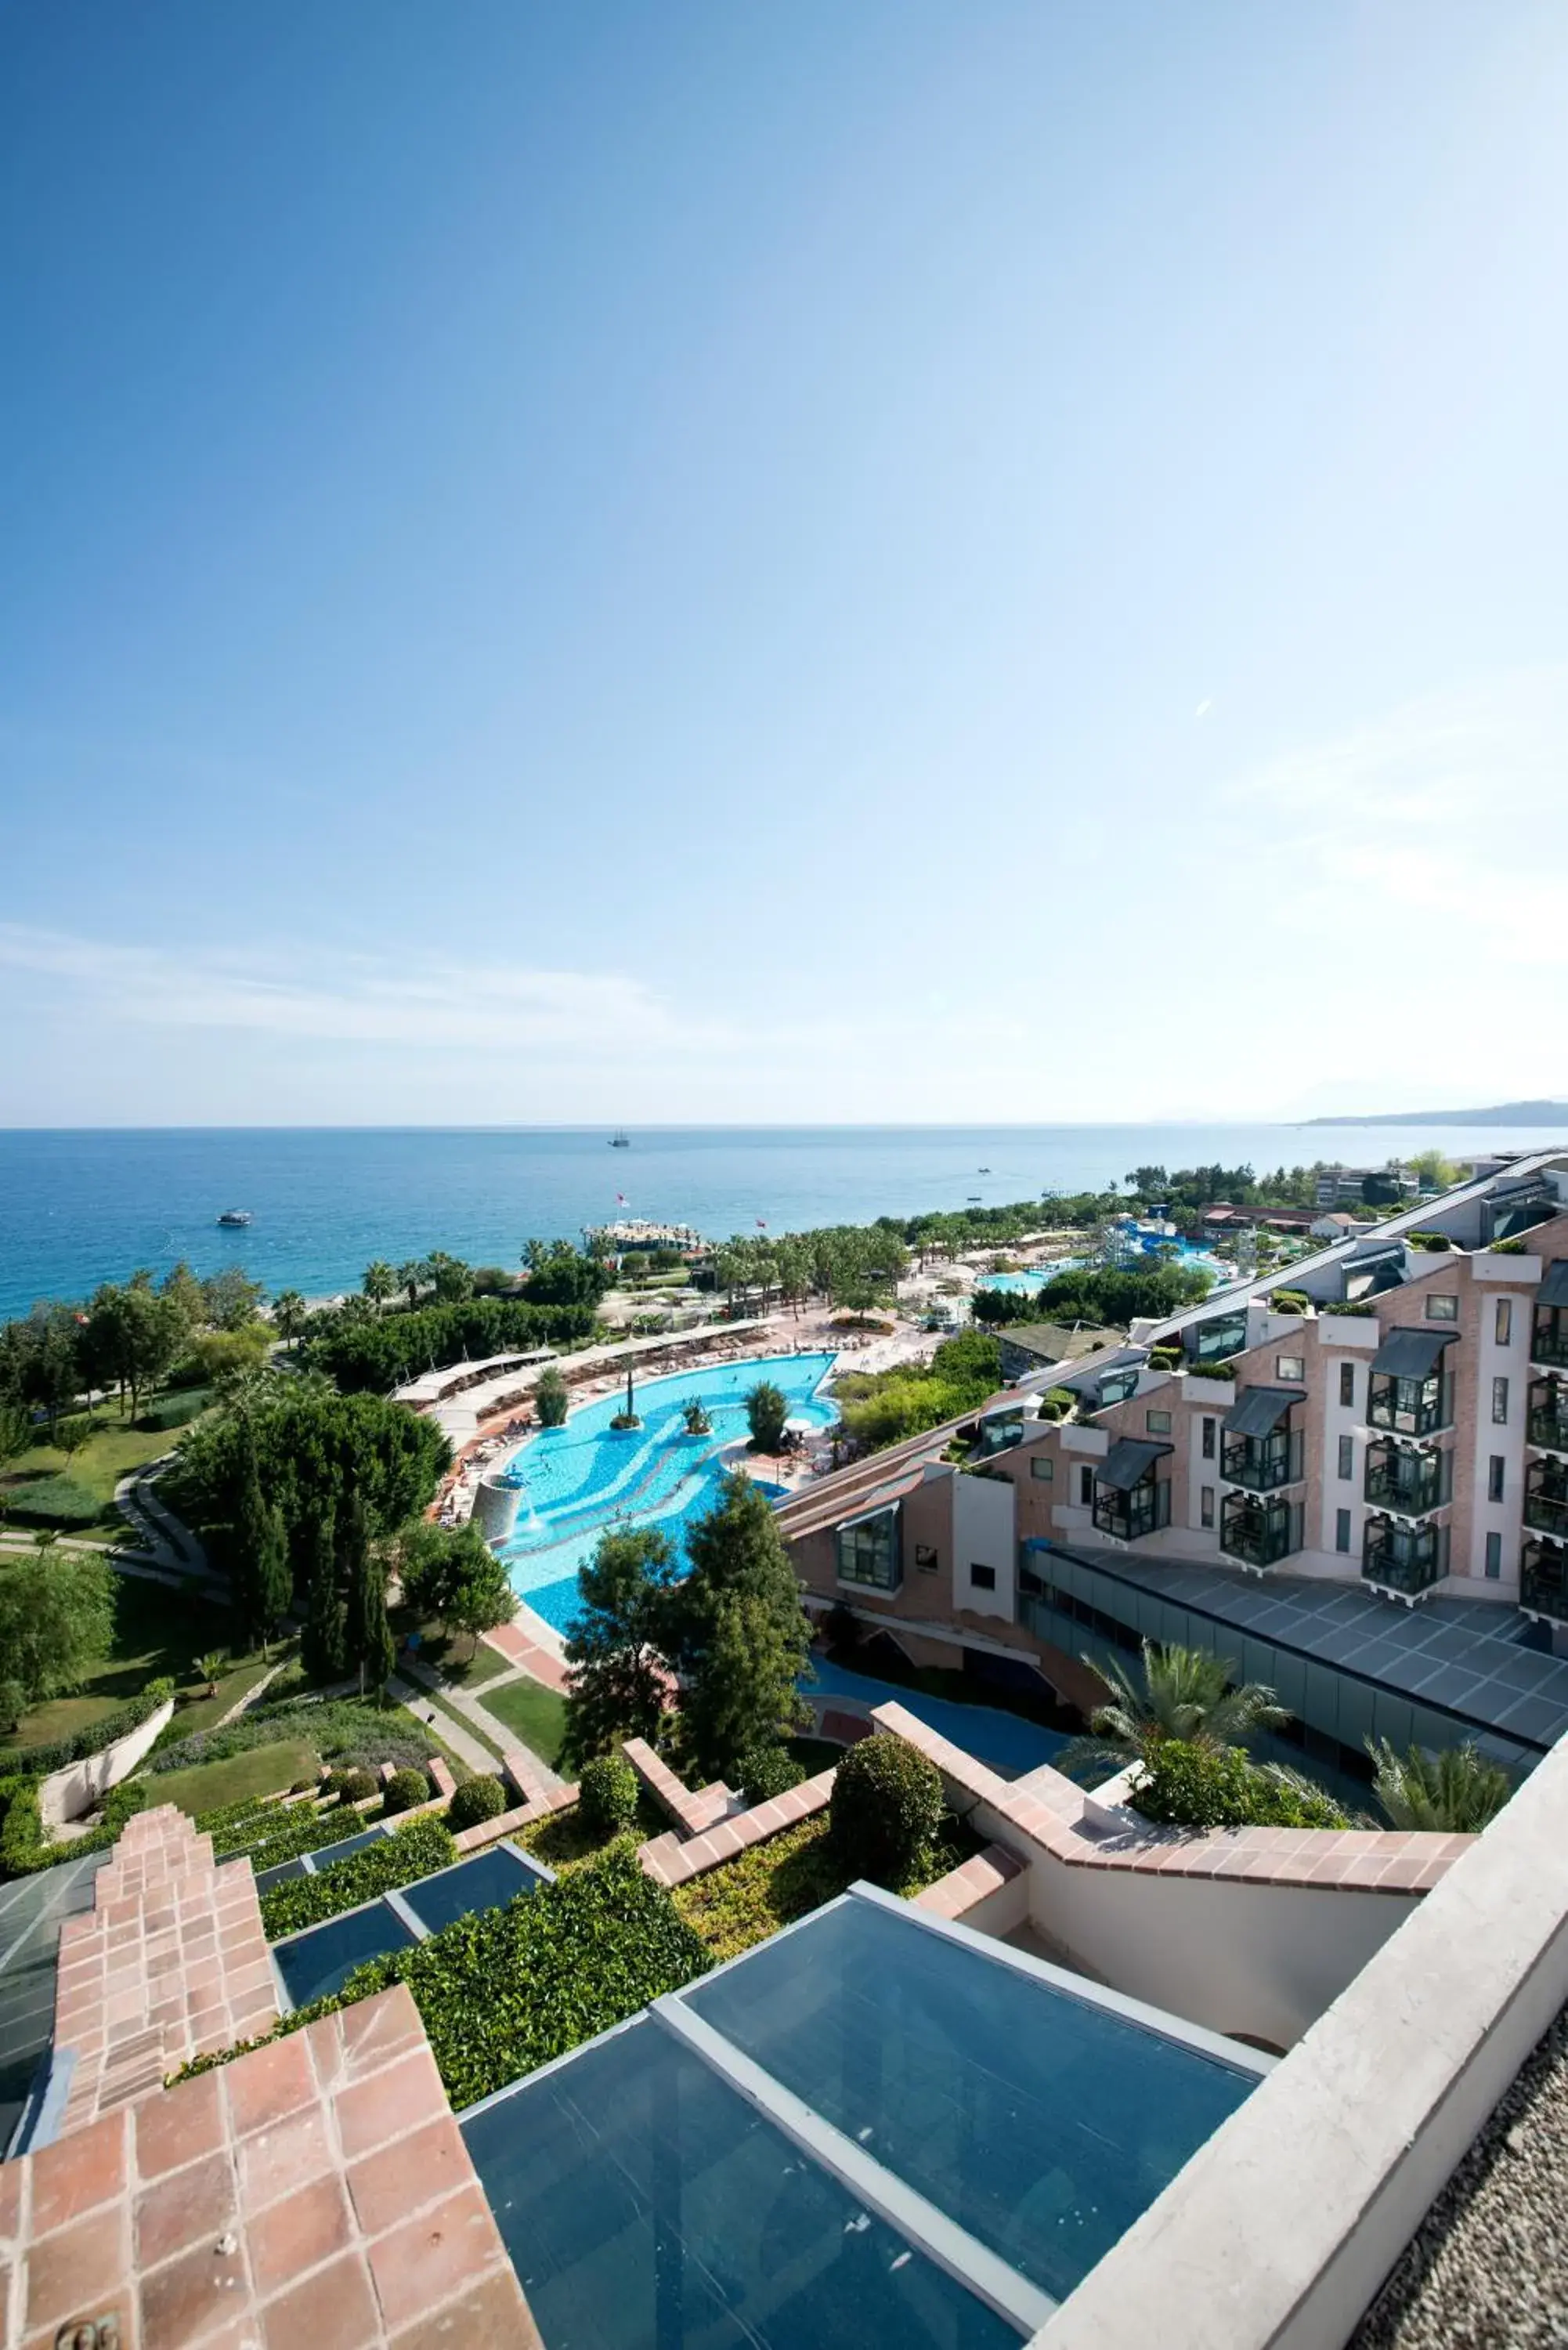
1259,1533
1543,1579
871,1552
1413,1407
1406,1479
1262,1464
1549,1336
1142,1508
1402,1558
1546,1414
999,1431
1546,1497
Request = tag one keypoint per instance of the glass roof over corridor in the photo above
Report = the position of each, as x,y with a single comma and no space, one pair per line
876,2128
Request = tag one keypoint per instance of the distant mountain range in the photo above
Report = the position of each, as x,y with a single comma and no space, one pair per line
1527,1112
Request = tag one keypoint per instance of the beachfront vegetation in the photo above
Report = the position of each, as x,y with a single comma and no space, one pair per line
559,1274
1177,1694
369,1352
1110,1296
881,1408
1457,1792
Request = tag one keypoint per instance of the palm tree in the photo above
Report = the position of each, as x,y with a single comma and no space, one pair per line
413,1276
380,1283
209,1667
289,1315
1182,1693
1456,1791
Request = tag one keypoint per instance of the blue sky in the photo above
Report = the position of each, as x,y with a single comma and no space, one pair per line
696,561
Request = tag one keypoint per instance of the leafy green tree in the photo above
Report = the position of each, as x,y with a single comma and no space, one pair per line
72,1433
451,1278
15,1431
738,1634
1179,1693
40,1360
551,1400
380,1283
1457,1792
767,1409
56,1618
229,1300
323,1641
290,1315
482,1596
619,1680
227,1359
371,1649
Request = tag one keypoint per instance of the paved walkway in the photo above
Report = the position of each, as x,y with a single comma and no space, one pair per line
447,1727
463,1701
521,1650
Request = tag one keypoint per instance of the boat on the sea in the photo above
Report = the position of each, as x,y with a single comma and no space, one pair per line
235,1216
620,1143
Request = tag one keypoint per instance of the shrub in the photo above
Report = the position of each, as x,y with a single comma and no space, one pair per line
768,1771
606,1795
54,1501
1064,1399
1165,1358
338,1728
1361,1305
23,1849
475,1801
1226,1372
1190,1786
357,1786
1290,1301
410,1853
1506,1248
1437,1243
624,1419
405,1789
550,1400
887,1808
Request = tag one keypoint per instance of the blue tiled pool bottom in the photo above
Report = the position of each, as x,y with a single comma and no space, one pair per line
873,2131
319,1961
645,2204
578,1480
1042,2124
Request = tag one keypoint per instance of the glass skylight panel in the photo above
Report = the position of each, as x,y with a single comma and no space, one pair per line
487,1882
647,2204
1041,2123
322,1959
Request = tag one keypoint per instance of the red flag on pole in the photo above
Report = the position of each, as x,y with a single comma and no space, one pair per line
762,1224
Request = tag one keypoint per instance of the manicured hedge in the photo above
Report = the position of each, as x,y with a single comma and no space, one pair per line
23,1848
28,1761
1226,1372
401,1858
1290,1301
887,1808
1190,1786
268,1833
606,1795
478,1799
1358,1305
54,1501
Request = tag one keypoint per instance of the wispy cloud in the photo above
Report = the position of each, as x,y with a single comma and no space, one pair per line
354,999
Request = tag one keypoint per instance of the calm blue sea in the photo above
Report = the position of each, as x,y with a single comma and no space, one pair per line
78,1207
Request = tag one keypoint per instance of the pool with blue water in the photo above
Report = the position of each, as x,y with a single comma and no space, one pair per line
578,1480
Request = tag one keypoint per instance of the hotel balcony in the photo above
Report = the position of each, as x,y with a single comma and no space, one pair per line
1546,1498
1261,1449
1544,1580
1549,1337
1546,1414
1409,1392
1404,1560
1407,1481
1130,1501
1258,1532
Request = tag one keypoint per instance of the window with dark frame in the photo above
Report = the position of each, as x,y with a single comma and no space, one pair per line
1291,1367
1158,1422
1500,1403
1208,1440
1347,1383
1496,1468
1347,1456
984,1578
1494,1558
1341,1530
1443,1307
1042,1468
926,1557
1085,1489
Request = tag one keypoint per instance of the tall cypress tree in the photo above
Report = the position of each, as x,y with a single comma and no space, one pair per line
354,1575
274,1574
322,1641
247,1539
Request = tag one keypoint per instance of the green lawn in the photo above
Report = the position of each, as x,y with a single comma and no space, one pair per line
264,1771
158,1631
450,1656
113,1450
536,1715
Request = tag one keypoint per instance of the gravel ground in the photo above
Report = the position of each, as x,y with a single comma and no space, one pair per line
1487,2268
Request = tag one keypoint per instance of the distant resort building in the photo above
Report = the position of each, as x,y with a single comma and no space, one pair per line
635,1232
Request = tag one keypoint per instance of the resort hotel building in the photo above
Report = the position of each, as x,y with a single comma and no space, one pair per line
1351,1478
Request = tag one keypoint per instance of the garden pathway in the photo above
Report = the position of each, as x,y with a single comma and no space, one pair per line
445,1724
462,1701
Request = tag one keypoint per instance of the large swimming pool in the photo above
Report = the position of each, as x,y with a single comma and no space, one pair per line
579,1479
